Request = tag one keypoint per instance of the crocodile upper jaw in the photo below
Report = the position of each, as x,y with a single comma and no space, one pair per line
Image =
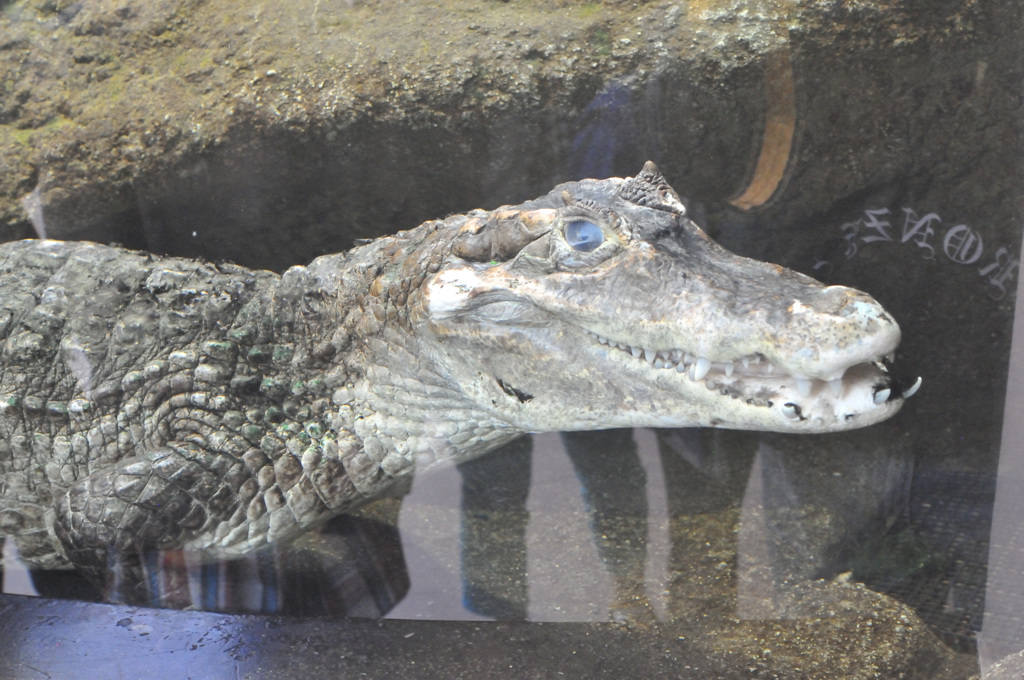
604,306
544,373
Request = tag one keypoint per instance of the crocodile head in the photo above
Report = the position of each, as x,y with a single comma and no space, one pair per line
602,305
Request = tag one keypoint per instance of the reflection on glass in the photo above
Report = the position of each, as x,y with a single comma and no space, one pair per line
1002,631
871,145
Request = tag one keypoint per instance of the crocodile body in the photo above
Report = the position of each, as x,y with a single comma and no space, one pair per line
151,403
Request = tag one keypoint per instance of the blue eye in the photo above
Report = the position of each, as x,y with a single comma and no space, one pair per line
583,236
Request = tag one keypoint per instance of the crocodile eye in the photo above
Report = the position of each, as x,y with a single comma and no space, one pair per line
583,236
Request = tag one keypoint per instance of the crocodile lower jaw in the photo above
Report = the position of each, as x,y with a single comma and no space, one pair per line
755,370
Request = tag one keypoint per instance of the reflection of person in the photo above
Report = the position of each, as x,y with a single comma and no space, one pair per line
494,494
606,462
614,491
606,121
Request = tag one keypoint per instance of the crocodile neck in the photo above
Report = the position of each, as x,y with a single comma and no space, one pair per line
394,408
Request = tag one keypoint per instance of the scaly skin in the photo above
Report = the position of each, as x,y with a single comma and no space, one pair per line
160,403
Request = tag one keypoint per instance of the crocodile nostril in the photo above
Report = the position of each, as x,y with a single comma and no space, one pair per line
834,299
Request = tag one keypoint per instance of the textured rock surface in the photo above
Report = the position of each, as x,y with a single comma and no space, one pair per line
271,647
267,134
1008,668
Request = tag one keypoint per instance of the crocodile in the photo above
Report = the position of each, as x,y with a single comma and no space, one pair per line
151,402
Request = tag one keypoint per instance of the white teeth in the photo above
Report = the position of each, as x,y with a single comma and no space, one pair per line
803,386
912,390
698,369
837,387
701,369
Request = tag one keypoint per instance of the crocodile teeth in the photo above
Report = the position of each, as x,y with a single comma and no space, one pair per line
912,390
701,368
837,387
791,410
698,368
803,386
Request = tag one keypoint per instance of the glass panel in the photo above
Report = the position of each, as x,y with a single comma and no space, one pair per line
238,390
